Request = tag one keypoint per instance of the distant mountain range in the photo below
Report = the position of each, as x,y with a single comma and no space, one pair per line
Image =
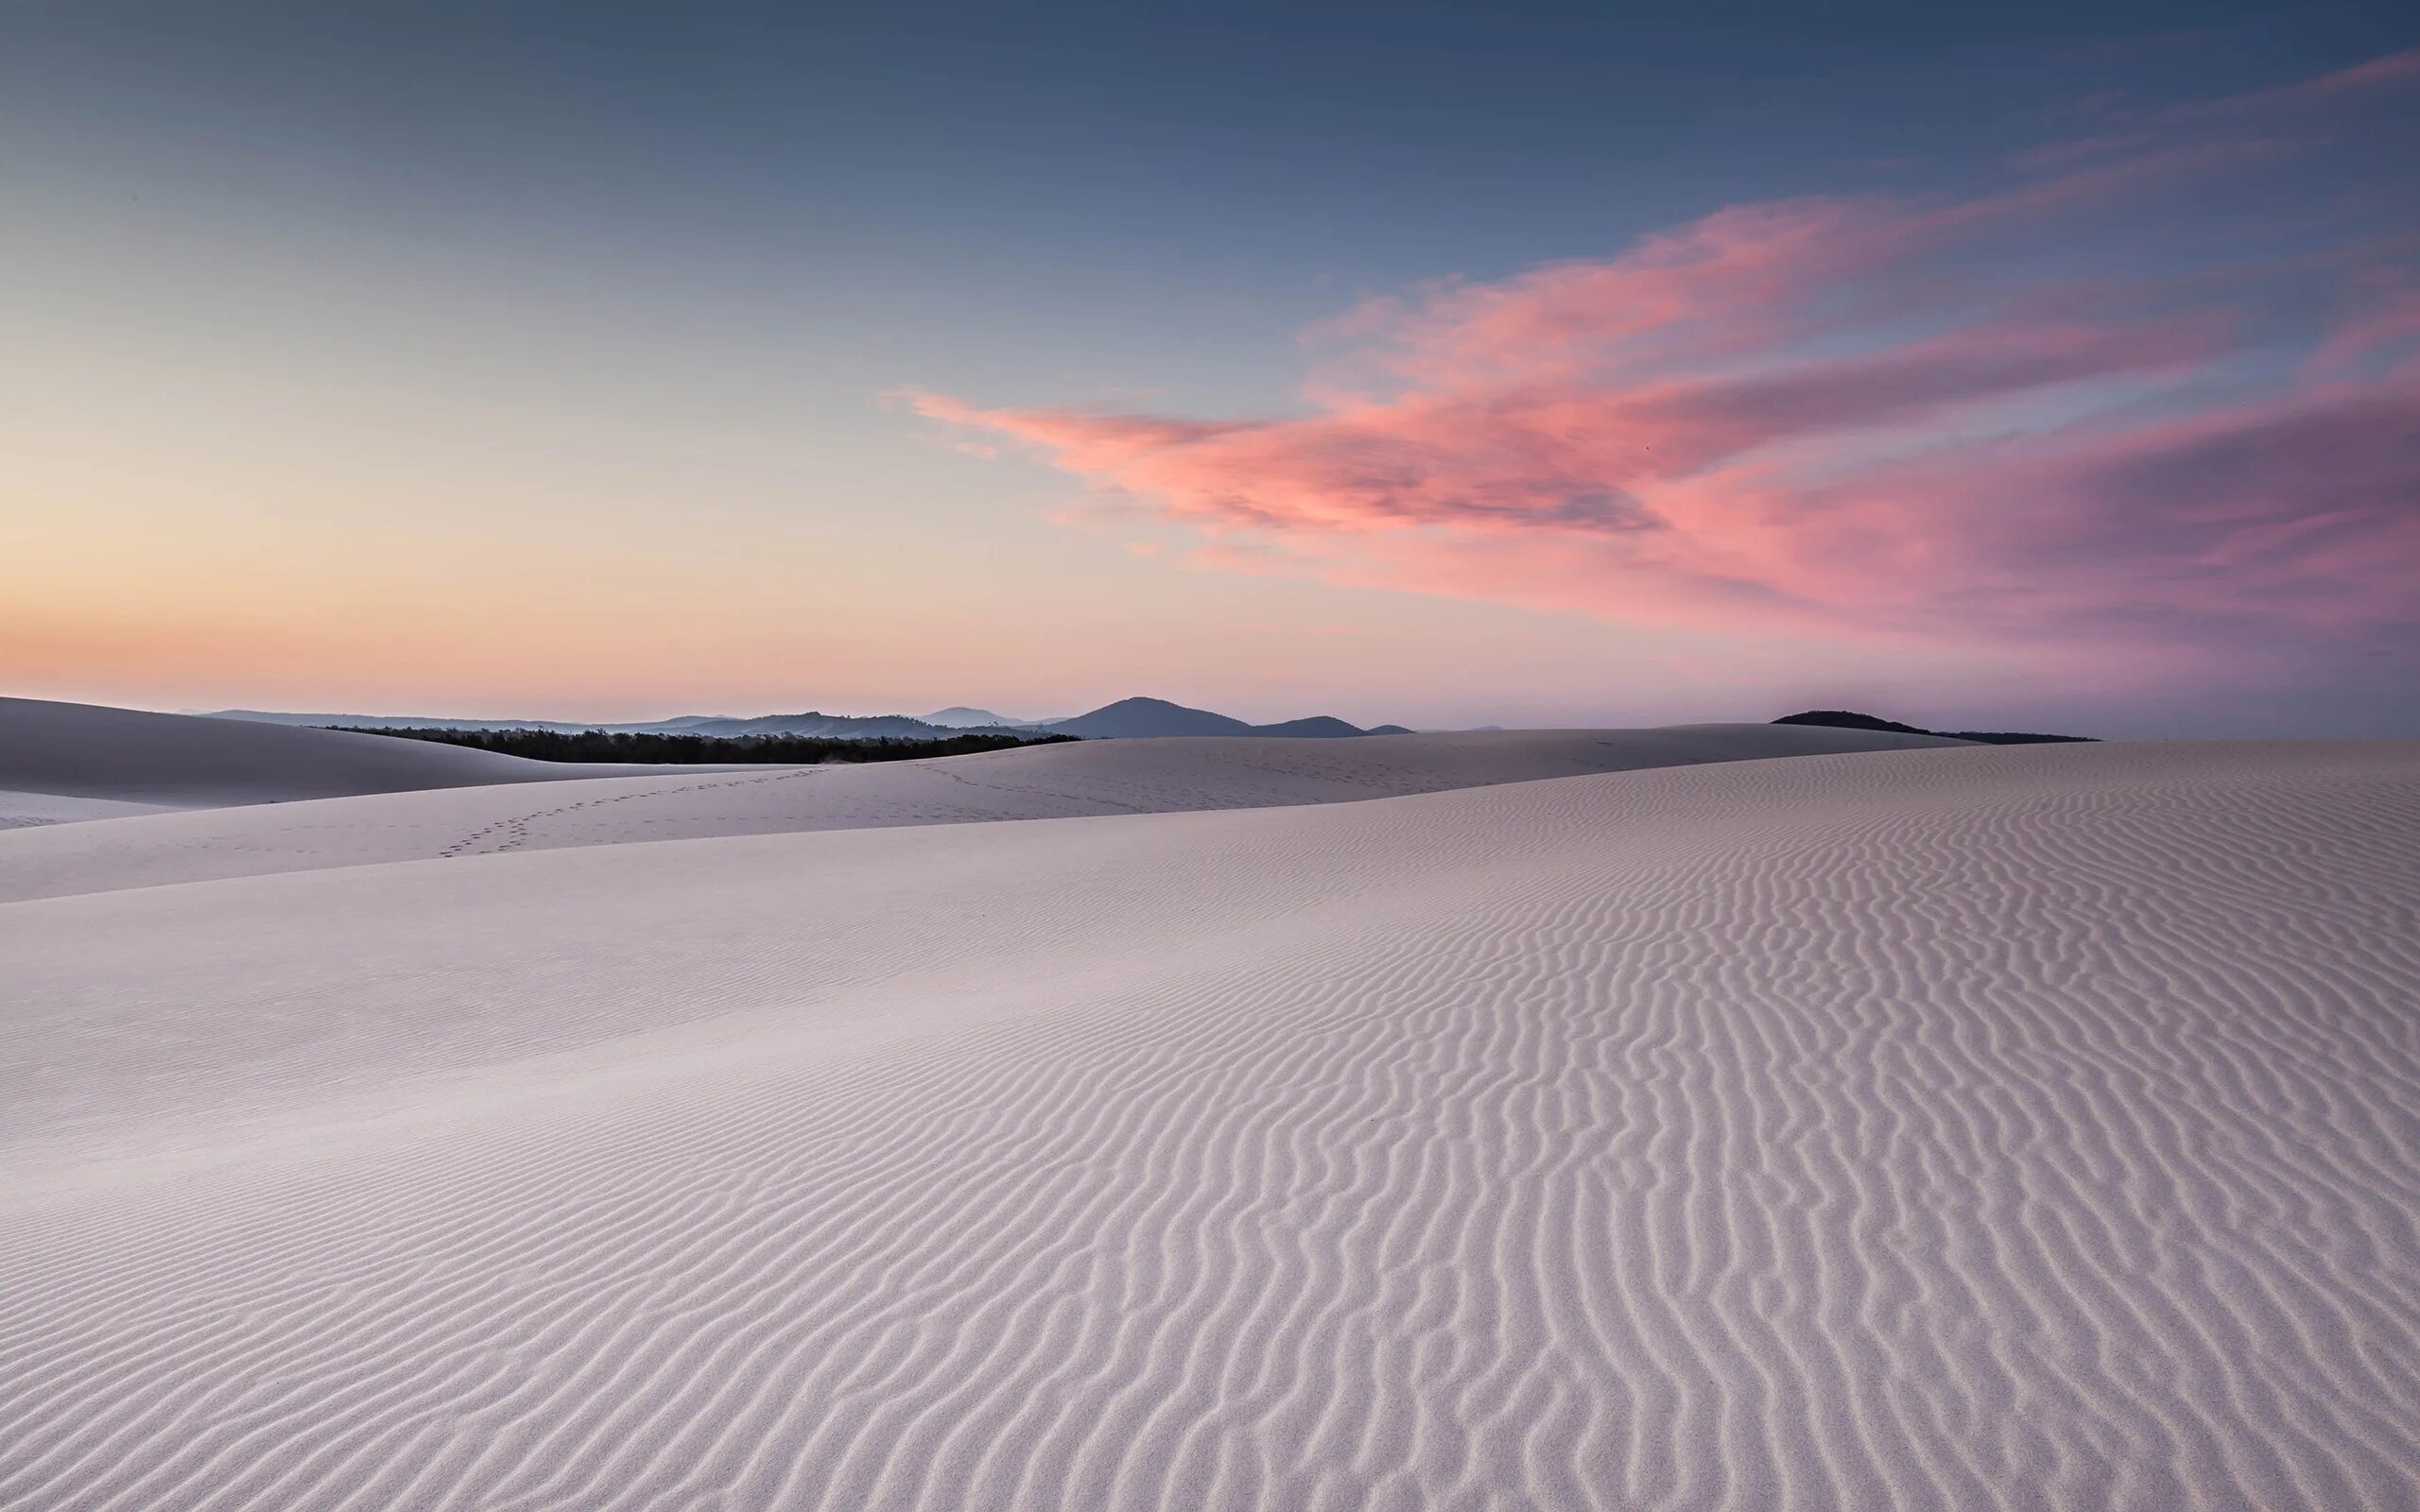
1127,719
1844,719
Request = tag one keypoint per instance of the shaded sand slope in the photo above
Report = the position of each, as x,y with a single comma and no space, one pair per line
2019,1127
1044,782
126,757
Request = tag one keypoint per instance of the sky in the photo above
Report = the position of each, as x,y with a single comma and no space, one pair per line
2042,366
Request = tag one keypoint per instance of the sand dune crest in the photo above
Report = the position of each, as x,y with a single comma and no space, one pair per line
124,760
1036,783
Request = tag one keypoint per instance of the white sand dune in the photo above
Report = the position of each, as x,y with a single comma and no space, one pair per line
119,761
21,810
1981,1127
1034,783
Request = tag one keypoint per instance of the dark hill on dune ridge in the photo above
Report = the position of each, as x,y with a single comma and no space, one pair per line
1844,719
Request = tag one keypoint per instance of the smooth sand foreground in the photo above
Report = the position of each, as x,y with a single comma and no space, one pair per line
2023,1127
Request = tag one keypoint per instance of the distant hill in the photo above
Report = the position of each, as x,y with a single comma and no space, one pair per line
959,717
1144,718
1318,726
1844,719
1139,718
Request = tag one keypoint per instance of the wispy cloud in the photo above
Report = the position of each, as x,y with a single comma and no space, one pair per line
1848,416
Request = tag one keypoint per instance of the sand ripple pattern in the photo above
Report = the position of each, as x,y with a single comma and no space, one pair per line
1979,1129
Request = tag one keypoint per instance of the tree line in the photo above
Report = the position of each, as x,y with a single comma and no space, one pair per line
691,750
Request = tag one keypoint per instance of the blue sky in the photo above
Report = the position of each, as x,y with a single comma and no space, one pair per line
366,358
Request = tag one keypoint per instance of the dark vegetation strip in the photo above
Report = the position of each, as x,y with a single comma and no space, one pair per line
1844,719
788,751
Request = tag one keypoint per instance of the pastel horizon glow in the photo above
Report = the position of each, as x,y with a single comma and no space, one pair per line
2059,372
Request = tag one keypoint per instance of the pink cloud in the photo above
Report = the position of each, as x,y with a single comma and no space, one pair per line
2281,105
1812,416
2389,72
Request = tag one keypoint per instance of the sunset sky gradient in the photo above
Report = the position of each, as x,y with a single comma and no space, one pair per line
1436,366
